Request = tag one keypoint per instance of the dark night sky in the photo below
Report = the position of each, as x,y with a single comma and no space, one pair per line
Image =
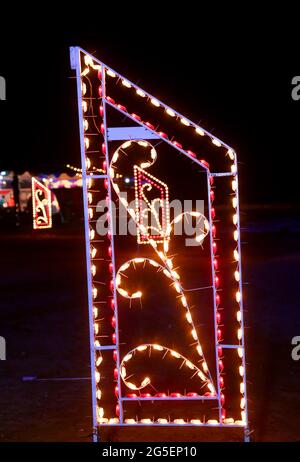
234,77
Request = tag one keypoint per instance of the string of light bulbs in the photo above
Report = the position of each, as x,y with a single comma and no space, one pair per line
162,254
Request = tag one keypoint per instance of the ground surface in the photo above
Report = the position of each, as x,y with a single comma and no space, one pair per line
43,317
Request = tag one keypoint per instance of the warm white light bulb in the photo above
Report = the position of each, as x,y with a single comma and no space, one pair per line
137,294
185,122
110,73
123,292
126,144
170,112
124,267
142,347
157,347
88,60
175,354
210,387
200,131
189,317
139,260
199,350
231,154
162,421
155,102
194,334
236,255
189,364
204,365
140,93
126,83
216,142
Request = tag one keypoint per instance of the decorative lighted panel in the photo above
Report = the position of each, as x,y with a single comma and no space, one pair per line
115,381
145,209
41,205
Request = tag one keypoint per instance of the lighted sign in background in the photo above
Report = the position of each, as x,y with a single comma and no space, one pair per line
41,205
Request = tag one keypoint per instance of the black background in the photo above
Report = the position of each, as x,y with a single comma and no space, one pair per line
231,71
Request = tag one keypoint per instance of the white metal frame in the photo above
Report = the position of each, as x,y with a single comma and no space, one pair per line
144,132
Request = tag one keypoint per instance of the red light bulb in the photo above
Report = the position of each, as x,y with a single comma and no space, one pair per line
204,163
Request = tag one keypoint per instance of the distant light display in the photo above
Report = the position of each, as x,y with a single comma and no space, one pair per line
41,205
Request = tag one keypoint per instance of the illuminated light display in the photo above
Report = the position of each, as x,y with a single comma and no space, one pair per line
143,183
167,271
215,388
41,205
